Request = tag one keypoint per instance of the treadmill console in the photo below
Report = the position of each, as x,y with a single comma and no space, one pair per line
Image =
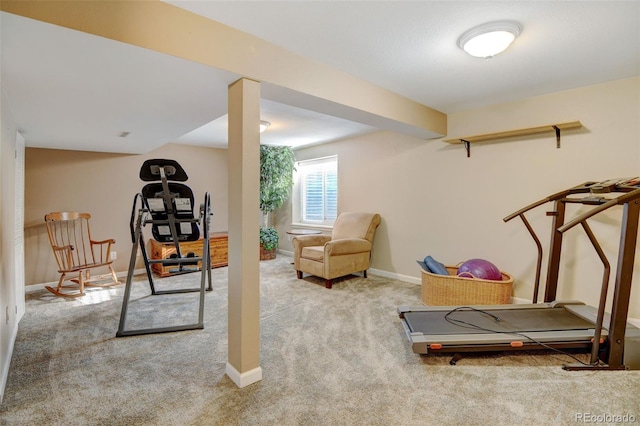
615,185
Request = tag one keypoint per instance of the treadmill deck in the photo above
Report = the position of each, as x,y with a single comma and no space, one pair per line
478,329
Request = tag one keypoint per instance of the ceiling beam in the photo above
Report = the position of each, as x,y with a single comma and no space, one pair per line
168,29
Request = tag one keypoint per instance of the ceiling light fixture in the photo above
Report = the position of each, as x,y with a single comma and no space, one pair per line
487,40
264,125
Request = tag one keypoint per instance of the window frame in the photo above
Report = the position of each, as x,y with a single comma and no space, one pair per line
298,197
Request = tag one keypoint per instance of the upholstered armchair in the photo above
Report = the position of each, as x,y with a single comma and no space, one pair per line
345,251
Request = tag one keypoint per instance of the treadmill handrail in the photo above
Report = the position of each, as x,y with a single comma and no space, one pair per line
579,189
603,291
622,199
532,206
539,258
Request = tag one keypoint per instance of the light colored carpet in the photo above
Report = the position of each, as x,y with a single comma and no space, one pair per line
329,357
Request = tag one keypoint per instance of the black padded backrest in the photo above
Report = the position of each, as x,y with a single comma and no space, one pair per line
149,171
182,205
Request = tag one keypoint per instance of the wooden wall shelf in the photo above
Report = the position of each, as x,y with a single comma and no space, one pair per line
467,140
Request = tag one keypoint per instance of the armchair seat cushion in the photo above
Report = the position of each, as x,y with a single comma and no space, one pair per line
313,253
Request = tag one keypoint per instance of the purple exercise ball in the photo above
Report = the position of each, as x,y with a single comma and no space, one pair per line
479,268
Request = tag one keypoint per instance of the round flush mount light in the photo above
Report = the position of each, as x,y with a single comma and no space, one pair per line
487,40
263,125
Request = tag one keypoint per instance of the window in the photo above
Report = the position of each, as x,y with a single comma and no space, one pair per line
315,200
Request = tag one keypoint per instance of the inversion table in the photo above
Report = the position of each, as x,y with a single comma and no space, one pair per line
167,205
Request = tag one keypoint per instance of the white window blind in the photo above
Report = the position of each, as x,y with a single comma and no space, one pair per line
317,200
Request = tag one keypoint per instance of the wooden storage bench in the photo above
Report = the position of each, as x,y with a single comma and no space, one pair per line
219,250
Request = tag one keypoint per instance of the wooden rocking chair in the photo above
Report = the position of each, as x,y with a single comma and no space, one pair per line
75,251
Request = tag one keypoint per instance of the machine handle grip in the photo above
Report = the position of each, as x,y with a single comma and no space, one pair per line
579,189
622,199
531,206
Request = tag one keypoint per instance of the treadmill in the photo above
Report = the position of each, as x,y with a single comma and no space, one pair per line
614,343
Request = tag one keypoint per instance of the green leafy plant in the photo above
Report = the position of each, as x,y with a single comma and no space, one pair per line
277,164
269,237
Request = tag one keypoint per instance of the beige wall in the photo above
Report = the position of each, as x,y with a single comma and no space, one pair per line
104,185
435,201
10,297
432,198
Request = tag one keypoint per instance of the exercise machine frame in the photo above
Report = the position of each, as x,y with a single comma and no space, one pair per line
141,215
606,343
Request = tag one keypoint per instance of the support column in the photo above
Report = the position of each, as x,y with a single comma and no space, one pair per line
243,365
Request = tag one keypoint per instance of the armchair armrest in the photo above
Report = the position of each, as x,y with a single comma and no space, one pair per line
347,246
309,240
301,241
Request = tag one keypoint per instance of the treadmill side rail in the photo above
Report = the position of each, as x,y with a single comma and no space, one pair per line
631,358
632,347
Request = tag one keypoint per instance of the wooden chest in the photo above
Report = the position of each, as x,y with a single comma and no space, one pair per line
219,250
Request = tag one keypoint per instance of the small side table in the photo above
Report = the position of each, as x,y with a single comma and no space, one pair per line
294,232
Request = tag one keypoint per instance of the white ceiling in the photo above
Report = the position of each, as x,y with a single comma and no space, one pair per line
72,90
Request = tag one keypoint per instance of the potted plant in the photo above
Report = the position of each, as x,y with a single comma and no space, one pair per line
276,179
268,242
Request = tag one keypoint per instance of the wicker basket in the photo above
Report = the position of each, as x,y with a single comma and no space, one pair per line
451,290
267,254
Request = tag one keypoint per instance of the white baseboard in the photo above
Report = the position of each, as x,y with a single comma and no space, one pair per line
243,379
634,321
380,272
395,276
35,287
6,362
